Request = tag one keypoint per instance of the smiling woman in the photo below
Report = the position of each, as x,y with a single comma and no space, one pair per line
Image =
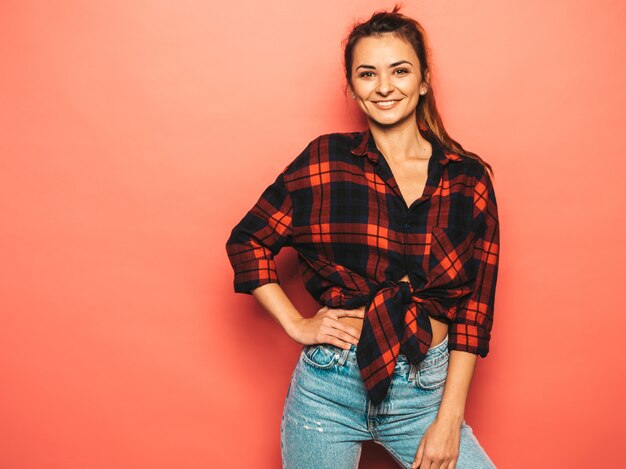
383,83
397,233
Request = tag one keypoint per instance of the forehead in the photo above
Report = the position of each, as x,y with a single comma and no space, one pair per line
382,50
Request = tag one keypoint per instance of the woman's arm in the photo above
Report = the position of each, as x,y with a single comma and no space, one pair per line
252,245
259,236
273,298
460,372
441,442
323,327
470,331
469,334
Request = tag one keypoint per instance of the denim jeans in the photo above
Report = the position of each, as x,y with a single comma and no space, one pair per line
327,413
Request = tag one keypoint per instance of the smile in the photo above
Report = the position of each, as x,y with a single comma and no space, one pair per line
386,104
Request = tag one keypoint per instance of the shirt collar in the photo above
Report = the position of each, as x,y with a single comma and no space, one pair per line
364,145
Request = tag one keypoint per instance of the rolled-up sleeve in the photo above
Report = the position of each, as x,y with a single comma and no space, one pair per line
259,236
471,329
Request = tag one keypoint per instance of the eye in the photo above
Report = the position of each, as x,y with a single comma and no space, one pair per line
403,70
363,74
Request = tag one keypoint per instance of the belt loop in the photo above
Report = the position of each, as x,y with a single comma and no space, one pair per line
343,356
412,372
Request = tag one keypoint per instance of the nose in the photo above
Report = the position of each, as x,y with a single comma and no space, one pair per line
384,85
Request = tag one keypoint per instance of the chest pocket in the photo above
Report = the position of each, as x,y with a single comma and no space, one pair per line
451,260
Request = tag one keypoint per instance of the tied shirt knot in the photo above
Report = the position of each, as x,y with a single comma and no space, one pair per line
396,321
401,288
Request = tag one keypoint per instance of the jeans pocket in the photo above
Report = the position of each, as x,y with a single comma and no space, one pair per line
432,374
319,355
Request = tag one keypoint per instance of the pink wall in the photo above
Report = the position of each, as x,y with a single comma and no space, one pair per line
134,135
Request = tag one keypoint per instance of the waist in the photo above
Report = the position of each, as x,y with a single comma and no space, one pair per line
439,328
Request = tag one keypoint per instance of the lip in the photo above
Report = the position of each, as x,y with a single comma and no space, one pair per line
392,104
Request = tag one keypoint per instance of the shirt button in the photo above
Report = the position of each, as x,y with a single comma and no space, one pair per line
407,226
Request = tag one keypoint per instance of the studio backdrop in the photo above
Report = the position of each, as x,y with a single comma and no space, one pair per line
135,134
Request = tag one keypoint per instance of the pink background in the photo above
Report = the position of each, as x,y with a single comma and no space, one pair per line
135,134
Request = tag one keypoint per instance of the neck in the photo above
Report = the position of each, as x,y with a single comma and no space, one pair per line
401,141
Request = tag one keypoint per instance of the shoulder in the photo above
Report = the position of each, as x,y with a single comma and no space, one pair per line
344,140
469,169
323,148
331,144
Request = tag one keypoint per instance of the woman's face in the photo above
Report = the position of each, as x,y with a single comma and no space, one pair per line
386,79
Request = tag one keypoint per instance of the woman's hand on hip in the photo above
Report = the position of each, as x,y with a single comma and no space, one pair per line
325,327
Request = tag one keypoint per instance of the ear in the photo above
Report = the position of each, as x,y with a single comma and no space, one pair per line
427,76
350,90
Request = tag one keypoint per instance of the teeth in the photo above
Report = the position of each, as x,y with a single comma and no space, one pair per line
386,102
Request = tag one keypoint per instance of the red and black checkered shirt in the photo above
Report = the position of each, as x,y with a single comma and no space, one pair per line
339,205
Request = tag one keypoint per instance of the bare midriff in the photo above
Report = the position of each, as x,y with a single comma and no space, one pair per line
440,329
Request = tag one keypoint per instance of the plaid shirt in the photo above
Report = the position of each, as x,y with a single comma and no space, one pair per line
339,205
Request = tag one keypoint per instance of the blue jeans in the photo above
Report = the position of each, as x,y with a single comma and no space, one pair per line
327,413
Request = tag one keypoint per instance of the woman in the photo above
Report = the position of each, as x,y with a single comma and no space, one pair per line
397,234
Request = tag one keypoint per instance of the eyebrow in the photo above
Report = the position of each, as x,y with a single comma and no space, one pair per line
392,65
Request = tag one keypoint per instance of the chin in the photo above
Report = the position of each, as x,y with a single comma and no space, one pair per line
390,121
387,123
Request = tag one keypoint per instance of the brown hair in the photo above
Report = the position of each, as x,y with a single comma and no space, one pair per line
412,32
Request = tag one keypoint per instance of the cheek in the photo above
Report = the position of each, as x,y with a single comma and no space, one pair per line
363,88
362,105
409,86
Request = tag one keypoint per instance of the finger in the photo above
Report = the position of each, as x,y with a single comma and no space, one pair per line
352,332
332,312
322,309
339,343
331,337
418,457
335,314
355,313
341,339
